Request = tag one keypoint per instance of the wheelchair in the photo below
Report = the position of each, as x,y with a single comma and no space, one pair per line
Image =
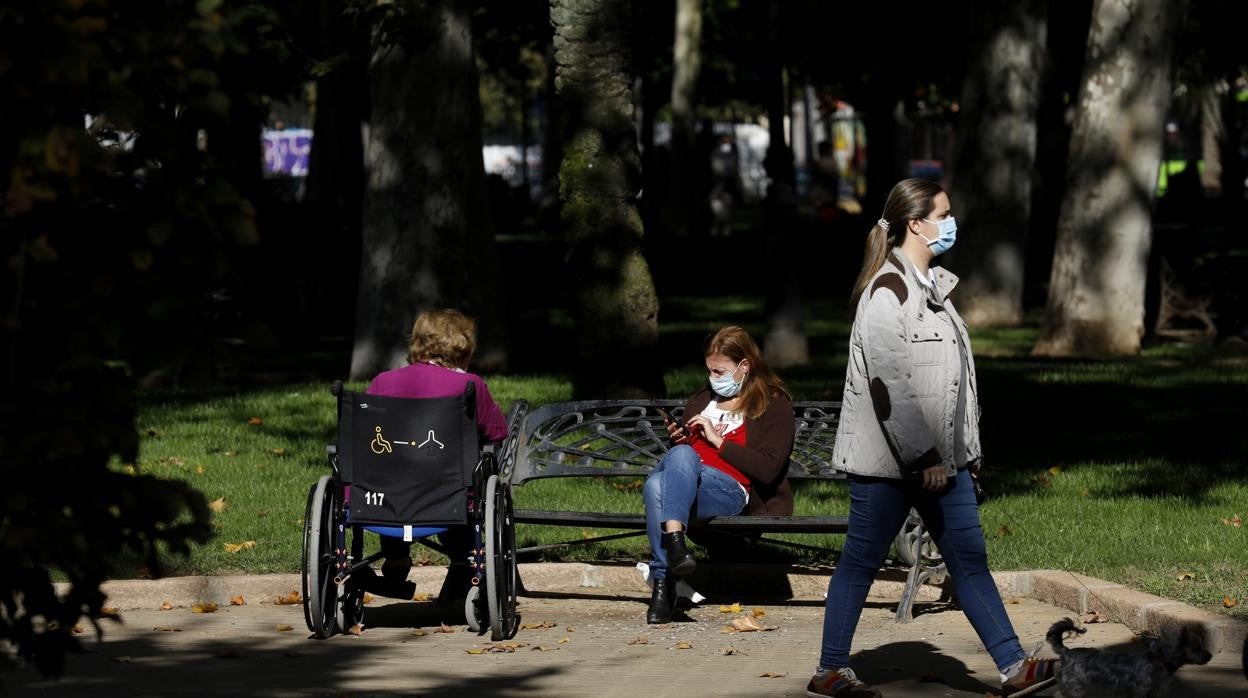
409,469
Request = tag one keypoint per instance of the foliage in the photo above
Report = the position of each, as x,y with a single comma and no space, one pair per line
127,132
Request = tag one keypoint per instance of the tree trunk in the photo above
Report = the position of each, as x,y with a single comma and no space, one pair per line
1212,140
1066,42
785,344
335,184
1096,294
427,239
995,156
615,305
686,64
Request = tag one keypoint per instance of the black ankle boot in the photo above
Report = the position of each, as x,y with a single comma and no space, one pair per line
662,601
680,561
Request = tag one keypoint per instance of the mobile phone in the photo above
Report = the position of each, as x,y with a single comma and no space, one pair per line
676,420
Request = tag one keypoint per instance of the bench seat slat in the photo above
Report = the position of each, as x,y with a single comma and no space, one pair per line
762,524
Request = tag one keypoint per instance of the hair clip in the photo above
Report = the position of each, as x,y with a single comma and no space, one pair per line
883,224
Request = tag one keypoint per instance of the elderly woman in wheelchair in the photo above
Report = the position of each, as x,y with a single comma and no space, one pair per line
415,458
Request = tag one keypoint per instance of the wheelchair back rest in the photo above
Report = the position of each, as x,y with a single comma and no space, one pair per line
407,461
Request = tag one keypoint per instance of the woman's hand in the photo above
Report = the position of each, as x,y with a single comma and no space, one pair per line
704,423
934,478
675,433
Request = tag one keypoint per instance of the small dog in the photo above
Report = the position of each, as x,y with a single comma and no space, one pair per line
1091,673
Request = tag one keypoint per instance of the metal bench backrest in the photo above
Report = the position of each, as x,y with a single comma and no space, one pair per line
627,438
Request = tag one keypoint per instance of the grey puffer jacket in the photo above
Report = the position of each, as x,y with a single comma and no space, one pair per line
910,400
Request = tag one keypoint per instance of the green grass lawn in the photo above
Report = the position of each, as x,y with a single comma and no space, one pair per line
1130,470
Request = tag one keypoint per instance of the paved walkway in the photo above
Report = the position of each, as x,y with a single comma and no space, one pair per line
593,642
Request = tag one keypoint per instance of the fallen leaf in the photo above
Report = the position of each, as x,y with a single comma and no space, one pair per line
728,629
419,633
357,629
544,648
682,645
1041,480
634,486
1083,492
640,640
586,534
1234,521
166,629
1004,531
368,598
199,470
748,624
290,599
230,454
112,612
1055,470
238,601
759,613
284,627
227,654
444,628
1184,576
1014,600
77,629
217,505
1230,602
1093,617
255,421
166,606
418,597
264,512
734,608
538,626
564,639
204,607
278,451
570,629
772,675
730,651
236,547
475,650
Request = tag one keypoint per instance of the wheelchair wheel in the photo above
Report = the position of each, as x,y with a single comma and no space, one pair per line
320,594
914,543
500,560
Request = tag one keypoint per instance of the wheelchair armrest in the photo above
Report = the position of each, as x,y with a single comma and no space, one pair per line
331,449
490,448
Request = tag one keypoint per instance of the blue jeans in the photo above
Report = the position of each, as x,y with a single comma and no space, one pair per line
878,508
681,488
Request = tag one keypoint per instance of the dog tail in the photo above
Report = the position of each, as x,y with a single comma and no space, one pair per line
1057,633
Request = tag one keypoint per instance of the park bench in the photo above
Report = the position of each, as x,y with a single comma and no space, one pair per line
626,438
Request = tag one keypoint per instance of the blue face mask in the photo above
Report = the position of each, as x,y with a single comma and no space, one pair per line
725,385
947,234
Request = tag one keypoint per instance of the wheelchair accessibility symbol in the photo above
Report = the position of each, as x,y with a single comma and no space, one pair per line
380,445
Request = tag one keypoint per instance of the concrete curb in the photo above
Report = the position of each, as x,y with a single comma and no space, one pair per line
1081,594
1138,611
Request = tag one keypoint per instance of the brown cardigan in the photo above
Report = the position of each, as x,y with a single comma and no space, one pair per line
765,456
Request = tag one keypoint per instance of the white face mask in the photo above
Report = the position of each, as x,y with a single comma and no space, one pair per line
726,385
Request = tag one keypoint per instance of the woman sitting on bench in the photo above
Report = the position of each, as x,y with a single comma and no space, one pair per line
731,455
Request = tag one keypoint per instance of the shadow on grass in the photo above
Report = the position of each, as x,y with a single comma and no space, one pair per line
1181,424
